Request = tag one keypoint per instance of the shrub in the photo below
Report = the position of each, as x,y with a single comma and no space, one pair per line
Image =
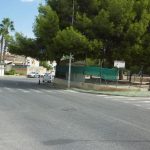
11,72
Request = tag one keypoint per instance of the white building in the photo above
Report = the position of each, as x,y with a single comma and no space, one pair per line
32,62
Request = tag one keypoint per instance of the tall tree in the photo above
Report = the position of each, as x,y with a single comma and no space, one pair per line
45,28
114,29
22,45
5,27
70,41
64,10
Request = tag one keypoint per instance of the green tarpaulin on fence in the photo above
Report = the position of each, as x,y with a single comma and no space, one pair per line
104,73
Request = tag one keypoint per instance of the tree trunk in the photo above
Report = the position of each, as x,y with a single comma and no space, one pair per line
58,63
5,46
121,74
2,40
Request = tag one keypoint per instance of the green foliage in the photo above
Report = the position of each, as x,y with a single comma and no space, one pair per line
11,72
63,9
22,45
70,41
46,24
104,30
45,64
134,69
91,62
45,28
5,28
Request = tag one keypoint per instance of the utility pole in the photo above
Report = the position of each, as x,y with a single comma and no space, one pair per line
70,57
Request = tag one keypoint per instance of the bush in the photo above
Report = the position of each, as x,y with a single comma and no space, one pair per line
11,72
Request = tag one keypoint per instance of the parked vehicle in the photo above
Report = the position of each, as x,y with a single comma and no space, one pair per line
41,74
48,77
33,75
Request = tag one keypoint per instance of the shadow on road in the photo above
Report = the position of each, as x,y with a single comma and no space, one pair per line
27,84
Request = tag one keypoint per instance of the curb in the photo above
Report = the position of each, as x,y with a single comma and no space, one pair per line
109,93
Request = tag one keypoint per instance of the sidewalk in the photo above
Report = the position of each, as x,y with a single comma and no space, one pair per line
107,89
131,93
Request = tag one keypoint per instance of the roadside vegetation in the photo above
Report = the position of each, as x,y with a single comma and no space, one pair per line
11,72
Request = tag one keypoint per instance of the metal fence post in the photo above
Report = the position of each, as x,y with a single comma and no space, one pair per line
149,86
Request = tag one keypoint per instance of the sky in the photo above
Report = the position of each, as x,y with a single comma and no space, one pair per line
22,13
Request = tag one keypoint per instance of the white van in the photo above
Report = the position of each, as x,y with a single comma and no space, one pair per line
48,77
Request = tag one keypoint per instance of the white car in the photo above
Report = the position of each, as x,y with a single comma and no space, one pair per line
48,77
33,75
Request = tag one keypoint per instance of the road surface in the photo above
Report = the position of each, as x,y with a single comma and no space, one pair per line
45,117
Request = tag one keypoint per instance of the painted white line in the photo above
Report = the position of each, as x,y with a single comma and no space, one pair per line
146,101
145,98
142,102
148,108
48,91
138,105
125,102
61,91
101,95
132,99
9,89
24,91
117,97
71,91
145,106
37,91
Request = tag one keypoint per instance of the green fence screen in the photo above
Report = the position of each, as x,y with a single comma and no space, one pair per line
104,73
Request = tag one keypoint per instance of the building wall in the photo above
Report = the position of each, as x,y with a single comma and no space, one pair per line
40,70
24,70
1,70
32,62
20,69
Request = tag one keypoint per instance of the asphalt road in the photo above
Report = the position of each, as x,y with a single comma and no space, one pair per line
45,117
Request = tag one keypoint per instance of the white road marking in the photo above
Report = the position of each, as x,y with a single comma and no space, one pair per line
24,91
125,102
143,102
140,102
116,97
37,91
147,97
9,89
48,91
148,108
146,101
132,99
71,91
61,91
138,105
101,95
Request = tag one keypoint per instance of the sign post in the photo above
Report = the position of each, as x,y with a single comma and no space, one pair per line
119,64
69,73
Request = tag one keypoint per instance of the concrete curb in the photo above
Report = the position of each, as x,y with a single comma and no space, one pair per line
126,94
106,90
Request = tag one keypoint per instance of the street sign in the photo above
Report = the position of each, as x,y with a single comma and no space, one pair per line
66,57
119,64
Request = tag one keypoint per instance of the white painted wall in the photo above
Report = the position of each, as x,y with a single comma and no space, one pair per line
32,62
1,70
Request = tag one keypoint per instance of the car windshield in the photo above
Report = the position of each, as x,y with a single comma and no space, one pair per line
47,74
